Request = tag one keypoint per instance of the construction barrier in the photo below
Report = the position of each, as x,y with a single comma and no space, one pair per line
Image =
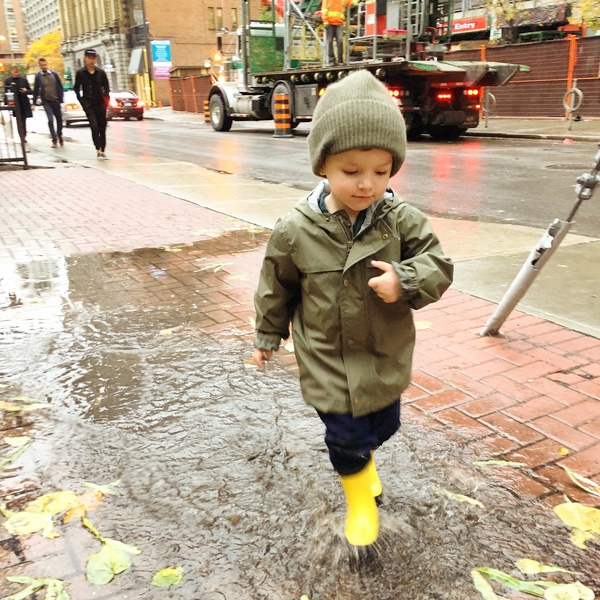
206,111
282,116
554,66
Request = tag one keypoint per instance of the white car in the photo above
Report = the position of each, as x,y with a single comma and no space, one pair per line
72,112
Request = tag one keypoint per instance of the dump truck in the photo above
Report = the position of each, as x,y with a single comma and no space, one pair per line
280,49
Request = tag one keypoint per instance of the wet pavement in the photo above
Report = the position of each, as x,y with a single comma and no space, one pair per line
129,311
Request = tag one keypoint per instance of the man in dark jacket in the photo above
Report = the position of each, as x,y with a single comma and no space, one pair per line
49,88
92,89
19,86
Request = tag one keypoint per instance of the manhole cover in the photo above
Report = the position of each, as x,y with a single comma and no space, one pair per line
569,167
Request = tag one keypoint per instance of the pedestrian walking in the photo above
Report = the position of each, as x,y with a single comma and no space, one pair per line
93,93
333,15
48,87
347,266
19,86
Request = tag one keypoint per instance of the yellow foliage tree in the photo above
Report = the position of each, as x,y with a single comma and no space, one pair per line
506,12
48,47
586,12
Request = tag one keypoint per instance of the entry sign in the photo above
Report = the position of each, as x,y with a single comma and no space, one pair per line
161,58
473,24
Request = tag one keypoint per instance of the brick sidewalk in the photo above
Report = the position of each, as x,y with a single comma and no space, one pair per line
521,397
530,396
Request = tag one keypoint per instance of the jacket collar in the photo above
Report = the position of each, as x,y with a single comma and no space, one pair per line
309,207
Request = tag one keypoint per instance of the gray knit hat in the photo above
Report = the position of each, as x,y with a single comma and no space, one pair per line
356,113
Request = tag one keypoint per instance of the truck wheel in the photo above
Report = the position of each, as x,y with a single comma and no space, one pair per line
219,119
445,132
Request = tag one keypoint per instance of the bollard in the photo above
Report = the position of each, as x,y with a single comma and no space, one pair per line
206,111
283,119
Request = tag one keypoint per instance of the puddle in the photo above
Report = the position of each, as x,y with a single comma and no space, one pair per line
223,469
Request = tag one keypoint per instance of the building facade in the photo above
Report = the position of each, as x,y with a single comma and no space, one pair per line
99,25
41,17
140,41
13,39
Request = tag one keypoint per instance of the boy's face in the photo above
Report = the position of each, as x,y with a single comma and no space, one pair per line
357,178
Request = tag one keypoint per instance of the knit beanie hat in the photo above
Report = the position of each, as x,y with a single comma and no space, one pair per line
356,113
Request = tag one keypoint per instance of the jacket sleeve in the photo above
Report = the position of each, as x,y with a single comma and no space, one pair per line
278,292
36,88
106,88
59,88
77,86
425,272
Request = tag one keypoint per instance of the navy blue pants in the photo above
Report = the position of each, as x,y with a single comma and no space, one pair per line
350,440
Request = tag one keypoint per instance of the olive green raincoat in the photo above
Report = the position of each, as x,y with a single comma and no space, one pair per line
354,351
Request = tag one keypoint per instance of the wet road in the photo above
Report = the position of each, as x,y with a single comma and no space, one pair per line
235,486
523,182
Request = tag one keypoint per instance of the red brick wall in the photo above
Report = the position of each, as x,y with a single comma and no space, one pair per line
540,92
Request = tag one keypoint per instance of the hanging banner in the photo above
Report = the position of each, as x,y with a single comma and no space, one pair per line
161,58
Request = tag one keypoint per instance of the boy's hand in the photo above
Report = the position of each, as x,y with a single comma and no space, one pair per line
386,286
261,356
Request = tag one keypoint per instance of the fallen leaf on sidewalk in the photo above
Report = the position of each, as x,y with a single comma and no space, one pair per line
55,588
113,558
533,567
534,588
17,441
419,325
105,490
497,463
585,484
167,577
483,587
570,591
584,519
87,502
459,497
289,347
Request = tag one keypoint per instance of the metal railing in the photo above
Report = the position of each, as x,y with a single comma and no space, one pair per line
12,132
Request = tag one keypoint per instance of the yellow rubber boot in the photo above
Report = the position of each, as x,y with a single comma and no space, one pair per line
362,516
376,487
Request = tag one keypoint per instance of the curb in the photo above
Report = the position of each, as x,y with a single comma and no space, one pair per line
534,136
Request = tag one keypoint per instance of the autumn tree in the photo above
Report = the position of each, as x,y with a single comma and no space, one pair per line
506,13
48,47
586,12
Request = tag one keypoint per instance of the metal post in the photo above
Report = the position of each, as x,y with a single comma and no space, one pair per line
541,253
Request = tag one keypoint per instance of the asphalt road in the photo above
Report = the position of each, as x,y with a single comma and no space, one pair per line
517,181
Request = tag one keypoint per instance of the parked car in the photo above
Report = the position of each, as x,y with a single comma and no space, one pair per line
72,111
126,104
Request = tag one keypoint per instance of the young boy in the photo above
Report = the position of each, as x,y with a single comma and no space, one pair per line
346,266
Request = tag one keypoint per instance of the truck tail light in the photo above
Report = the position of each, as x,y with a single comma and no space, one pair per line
443,96
395,92
471,92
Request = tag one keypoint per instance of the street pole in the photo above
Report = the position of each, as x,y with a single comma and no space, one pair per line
542,252
148,62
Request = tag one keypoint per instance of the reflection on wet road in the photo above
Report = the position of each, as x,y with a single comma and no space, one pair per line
223,469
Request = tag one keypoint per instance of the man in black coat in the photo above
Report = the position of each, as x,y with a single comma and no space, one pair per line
19,86
92,89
